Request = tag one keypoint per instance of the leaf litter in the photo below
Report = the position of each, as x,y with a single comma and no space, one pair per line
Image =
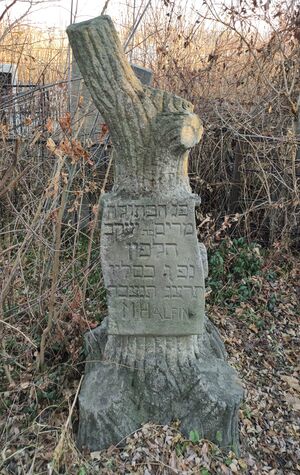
261,335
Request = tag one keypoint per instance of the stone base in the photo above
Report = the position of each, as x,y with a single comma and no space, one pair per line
133,380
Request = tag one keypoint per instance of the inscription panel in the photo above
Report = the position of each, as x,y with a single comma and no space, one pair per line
152,268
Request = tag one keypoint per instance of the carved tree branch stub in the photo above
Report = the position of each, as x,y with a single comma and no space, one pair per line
151,129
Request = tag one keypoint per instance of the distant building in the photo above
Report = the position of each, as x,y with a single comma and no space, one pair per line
8,84
8,77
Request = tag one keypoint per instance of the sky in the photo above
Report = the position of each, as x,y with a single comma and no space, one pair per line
57,13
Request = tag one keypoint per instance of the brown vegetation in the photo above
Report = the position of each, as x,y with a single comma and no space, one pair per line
240,67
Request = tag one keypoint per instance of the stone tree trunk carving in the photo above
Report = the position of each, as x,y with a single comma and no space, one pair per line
156,357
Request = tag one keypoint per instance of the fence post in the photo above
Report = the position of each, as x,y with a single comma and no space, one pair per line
235,189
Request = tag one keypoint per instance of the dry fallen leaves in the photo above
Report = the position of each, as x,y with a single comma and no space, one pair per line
267,360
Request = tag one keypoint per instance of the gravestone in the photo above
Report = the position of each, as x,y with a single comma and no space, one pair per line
156,357
87,125
87,122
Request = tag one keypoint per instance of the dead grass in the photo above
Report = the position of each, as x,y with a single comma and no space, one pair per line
245,87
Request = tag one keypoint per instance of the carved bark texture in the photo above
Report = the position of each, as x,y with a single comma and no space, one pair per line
156,357
132,380
150,129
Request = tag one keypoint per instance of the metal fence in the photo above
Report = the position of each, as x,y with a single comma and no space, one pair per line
25,108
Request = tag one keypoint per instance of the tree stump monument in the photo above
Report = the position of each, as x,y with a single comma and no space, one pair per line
156,357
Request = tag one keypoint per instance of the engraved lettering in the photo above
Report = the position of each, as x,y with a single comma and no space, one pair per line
122,291
144,310
171,248
150,291
137,271
158,312
149,271
159,229
145,250
154,279
183,210
151,211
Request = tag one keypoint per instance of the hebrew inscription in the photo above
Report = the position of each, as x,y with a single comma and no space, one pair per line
155,276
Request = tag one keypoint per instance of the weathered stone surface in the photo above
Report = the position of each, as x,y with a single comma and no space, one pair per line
156,356
152,267
86,119
131,380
